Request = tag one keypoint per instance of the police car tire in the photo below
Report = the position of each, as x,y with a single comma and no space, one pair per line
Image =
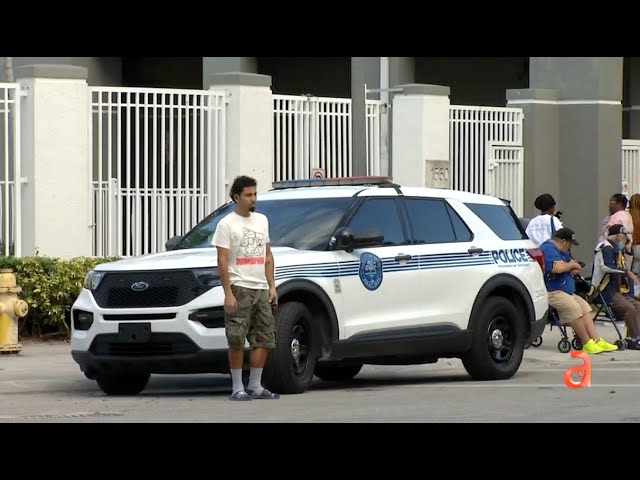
279,373
130,384
478,361
337,373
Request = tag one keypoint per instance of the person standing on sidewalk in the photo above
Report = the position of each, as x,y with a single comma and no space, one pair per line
246,269
541,228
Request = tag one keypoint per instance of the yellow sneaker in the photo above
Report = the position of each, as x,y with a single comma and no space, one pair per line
592,347
606,347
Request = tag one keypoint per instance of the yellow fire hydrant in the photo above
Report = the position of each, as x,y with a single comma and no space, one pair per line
11,309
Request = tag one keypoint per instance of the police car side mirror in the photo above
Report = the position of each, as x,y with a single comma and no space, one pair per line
173,242
368,238
343,240
348,241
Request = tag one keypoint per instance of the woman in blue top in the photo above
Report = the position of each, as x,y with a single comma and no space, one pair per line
559,269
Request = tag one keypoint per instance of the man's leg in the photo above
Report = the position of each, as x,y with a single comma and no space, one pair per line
633,326
623,308
570,313
261,337
236,327
596,339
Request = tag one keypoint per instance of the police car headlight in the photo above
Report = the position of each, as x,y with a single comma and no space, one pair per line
93,279
207,277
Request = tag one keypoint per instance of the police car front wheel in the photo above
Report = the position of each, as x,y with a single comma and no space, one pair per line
498,335
290,366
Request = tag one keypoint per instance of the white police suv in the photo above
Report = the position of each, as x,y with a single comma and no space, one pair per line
368,272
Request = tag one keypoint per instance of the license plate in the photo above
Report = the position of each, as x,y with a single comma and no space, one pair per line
134,332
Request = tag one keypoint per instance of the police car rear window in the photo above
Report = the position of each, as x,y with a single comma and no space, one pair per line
501,219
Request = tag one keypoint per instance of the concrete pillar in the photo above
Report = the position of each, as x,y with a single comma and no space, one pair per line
56,155
541,144
358,116
633,98
421,136
249,126
213,65
590,134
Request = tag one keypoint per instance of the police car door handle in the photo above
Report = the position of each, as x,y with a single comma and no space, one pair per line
401,257
475,251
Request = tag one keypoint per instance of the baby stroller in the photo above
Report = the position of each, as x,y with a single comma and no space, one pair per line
594,296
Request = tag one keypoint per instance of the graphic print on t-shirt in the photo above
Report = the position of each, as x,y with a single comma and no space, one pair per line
252,248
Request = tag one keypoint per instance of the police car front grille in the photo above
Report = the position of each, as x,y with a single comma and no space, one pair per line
158,344
165,289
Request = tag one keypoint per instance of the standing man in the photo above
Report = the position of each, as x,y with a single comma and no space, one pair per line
246,272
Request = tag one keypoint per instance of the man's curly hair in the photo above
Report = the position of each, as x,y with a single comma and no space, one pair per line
239,184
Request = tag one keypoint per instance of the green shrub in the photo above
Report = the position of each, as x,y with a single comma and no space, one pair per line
49,286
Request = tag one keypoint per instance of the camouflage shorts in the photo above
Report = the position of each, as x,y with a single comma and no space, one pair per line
253,319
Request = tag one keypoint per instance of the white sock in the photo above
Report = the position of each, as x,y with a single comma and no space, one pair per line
255,380
236,377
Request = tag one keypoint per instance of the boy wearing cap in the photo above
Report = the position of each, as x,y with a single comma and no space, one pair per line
541,228
573,310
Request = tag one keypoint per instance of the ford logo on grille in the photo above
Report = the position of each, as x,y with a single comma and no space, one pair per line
139,286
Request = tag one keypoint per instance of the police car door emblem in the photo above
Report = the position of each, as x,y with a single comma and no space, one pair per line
370,271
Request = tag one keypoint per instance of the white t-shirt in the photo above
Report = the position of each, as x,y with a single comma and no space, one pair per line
246,238
539,228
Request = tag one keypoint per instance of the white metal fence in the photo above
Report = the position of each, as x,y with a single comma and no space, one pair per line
10,171
472,130
316,132
631,166
505,175
158,165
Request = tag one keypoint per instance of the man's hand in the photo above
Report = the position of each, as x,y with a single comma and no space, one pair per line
633,276
273,297
576,266
575,271
230,304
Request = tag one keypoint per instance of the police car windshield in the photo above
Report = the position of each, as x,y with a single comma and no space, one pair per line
304,224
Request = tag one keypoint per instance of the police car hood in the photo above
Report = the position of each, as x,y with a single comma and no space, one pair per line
191,258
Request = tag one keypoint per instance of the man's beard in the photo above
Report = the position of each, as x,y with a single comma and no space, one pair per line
252,209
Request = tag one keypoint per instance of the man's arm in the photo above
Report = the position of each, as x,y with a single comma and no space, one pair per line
223,268
269,269
560,266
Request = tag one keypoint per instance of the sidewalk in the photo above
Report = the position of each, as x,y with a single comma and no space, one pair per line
548,352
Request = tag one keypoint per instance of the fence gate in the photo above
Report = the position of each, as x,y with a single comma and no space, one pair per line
471,132
158,165
315,133
10,171
505,175
630,167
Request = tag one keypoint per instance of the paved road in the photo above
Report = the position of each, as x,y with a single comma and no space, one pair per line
43,384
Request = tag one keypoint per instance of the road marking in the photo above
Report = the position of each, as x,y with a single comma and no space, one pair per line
593,369
517,385
62,415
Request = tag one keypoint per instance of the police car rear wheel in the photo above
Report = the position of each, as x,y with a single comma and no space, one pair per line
289,368
498,337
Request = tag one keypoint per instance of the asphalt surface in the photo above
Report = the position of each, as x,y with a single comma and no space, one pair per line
43,384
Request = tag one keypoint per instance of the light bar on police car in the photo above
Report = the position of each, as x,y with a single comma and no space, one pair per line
332,182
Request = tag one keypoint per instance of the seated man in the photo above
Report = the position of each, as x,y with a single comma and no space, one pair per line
608,272
573,310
